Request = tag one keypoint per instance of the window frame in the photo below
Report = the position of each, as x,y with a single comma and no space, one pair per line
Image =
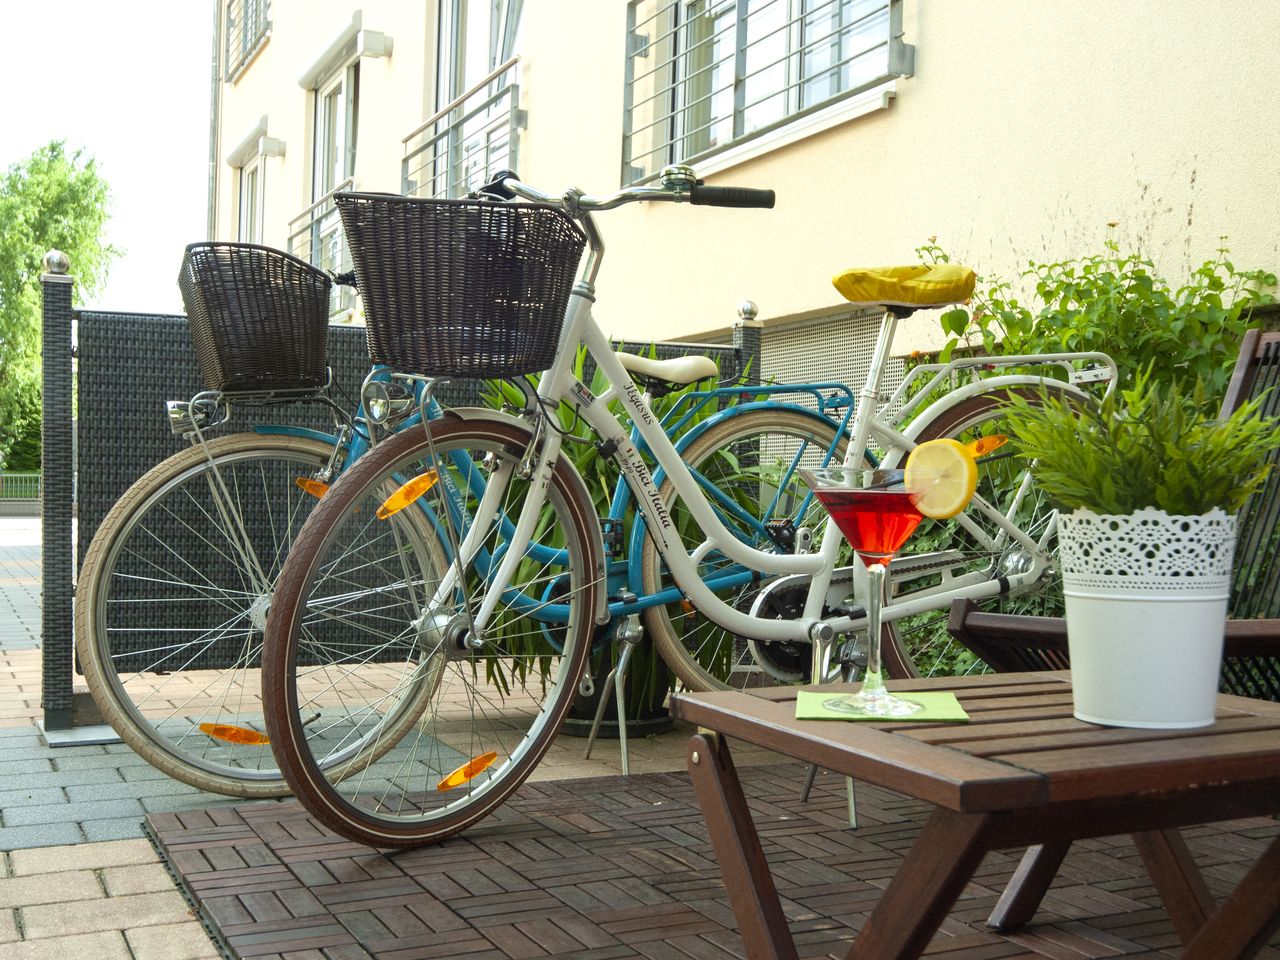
236,61
334,138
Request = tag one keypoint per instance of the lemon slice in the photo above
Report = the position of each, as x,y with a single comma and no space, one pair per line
941,476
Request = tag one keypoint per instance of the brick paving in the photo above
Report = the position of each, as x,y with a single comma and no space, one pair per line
77,876
623,869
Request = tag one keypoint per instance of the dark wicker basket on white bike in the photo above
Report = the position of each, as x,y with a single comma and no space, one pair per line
258,317
461,288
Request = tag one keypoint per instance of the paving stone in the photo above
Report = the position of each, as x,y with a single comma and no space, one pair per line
136,878
137,789
112,913
142,771
106,945
97,761
8,927
31,797
39,835
87,811
180,941
123,828
187,801
33,765
49,888
84,856
66,778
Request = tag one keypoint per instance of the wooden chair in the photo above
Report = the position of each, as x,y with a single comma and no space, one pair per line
1251,652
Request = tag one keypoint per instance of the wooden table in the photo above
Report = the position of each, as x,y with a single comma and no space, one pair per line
1022,773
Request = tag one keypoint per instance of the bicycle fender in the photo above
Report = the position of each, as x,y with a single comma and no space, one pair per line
638,530
960,394
283,430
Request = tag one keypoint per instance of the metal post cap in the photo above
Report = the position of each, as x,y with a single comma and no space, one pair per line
747,310
55,261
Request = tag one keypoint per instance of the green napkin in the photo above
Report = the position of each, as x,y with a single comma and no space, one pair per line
940,706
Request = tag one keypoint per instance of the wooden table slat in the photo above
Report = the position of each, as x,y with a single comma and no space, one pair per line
949,779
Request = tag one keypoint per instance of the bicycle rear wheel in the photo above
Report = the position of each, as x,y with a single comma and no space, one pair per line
351,642
172,598
920,645
747,467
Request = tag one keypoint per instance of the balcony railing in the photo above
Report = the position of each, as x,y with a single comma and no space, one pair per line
468,140
247,26
316,236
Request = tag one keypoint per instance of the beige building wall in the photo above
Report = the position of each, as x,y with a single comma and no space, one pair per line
1027,126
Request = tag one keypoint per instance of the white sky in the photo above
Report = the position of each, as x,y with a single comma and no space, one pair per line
128,81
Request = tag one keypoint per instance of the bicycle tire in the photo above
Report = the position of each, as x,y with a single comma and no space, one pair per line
704,655
148,694
920,645
488,716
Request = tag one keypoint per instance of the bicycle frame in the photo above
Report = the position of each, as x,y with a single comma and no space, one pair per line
558,384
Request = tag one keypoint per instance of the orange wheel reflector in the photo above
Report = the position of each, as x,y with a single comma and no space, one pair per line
980,448
468,771
313,487
233,734
408,493
686,607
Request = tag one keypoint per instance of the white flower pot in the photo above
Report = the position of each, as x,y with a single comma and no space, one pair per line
1146,596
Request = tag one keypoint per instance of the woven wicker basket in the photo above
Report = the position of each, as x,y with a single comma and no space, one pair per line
258,317
461,288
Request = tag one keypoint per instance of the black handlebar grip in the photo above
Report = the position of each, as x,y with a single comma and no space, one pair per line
347,279
497,187
730,197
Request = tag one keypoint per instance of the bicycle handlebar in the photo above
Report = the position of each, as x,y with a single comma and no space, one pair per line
506,184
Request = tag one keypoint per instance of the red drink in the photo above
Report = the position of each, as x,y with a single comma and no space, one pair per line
875,522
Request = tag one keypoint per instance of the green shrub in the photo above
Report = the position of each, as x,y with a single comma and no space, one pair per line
1115,303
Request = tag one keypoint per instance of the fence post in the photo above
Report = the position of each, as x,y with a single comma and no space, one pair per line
747,342
56,491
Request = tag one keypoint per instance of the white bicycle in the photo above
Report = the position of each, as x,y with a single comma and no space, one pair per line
492,638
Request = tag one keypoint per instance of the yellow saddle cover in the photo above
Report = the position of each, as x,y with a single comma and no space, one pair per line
917,285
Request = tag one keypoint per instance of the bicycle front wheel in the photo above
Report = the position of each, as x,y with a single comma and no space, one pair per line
172,599
747,467
366,627
920,645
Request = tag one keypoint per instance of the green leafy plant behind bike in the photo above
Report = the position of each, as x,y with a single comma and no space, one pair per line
1116,303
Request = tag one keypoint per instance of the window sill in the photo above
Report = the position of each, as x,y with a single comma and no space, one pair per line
870,101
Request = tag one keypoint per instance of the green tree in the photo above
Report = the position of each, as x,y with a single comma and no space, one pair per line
54,199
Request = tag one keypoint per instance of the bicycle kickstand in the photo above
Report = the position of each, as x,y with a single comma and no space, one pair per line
628,636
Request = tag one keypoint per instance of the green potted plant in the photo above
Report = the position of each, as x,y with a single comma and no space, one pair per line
1149,484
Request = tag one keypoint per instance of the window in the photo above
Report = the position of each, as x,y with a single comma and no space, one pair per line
473,133
703,75
247,27
334,126
252,181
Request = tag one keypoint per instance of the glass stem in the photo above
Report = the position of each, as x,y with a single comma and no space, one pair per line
872,680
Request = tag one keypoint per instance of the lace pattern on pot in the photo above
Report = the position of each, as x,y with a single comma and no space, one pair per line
1147,549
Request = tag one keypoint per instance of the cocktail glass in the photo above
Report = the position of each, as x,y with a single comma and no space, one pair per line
876,514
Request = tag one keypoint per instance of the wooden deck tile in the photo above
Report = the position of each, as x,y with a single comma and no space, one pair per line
621,869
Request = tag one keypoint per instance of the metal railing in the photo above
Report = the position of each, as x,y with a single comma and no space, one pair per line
247,25
468,140
315,235
703,77
19,486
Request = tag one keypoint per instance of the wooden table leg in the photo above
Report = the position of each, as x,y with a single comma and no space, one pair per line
737,845
1247,918
1028,885
1177,880
934,872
